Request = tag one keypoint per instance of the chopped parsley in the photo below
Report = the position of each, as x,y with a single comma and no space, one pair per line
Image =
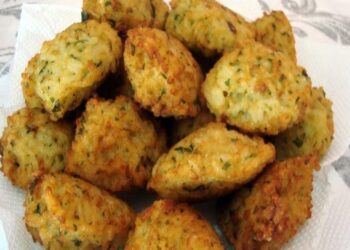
298,142
77,242
199,188
182,150
227,165
84,16
37,209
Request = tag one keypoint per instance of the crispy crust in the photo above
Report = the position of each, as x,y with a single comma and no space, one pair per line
63,212
164,75
269,213
32,145
69,67
115,145
313,135
210,162
170,225
275,31
258,90
207,27
127,14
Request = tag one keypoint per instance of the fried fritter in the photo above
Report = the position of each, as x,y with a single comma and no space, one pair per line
127,14
210,162
267,215
206,26
170,225
63,212
258,90
32,145
69,67
115,145
275,31
313,135
183,127
164,75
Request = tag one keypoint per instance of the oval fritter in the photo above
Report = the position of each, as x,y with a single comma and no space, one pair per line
32,145
210,162
206,26
127,14
115,145
258,90
63,212
170,225
165,77
313,135
275,31
271,212
69,67
183,127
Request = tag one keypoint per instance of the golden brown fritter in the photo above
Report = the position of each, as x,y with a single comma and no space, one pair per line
127,14
68,68
209,162
32,145
170,225
269,213
63,212
258,90
207,27
275,31
183,127
313,135
115,145
165,77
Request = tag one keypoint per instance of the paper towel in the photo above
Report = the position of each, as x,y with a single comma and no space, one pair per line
326,64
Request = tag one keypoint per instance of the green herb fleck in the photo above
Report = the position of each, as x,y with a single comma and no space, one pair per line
84,16
199,188
107,3
98,64
227,82
227,165
298,142
182,150
74,57
162,92
37,209
56,107
44,67
250,156
77,242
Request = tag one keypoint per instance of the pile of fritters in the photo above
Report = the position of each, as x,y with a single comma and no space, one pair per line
192,102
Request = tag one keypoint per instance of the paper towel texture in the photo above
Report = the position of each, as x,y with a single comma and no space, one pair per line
326,64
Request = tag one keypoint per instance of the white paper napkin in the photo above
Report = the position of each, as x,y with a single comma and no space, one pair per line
329,227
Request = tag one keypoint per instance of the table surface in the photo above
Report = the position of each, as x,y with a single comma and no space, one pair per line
305,16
